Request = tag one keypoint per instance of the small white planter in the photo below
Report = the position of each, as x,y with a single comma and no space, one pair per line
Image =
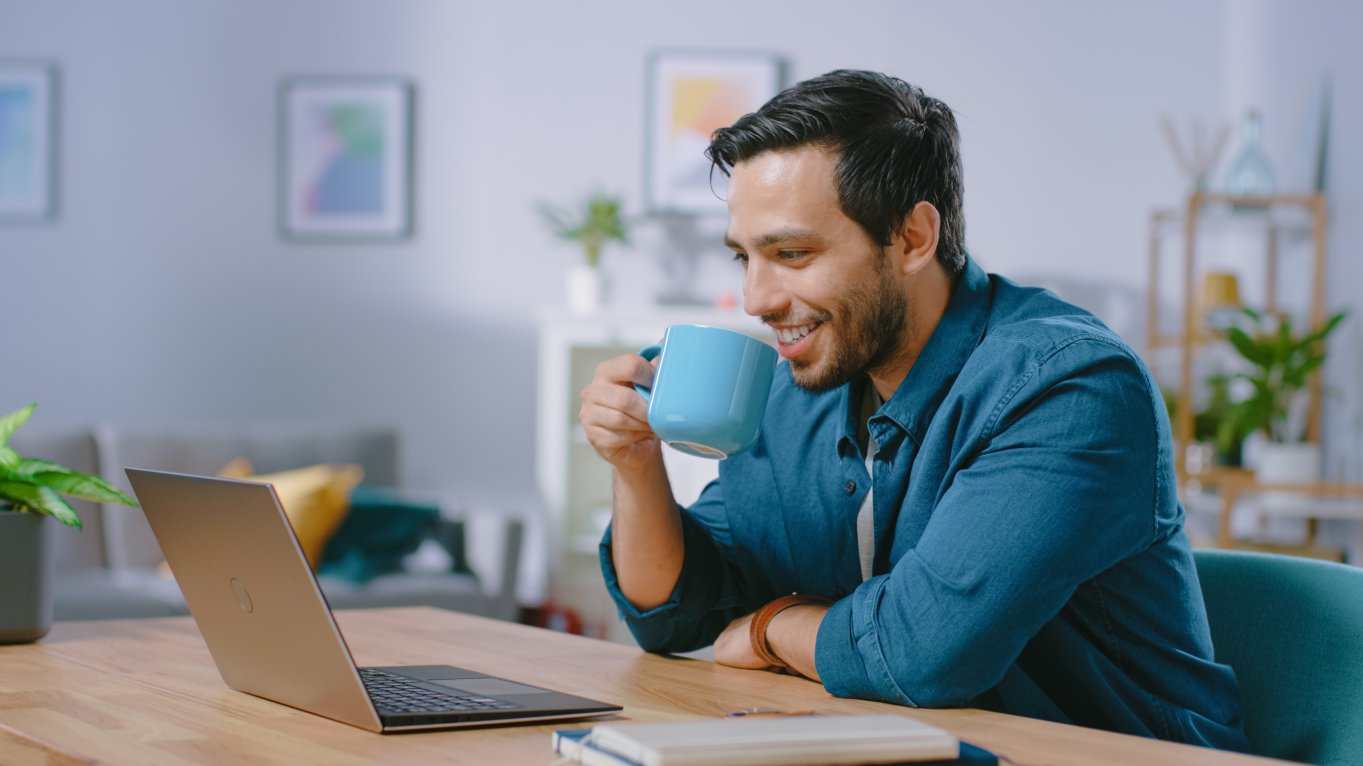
1286,464
586,289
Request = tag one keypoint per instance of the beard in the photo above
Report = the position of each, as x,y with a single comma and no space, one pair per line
869,328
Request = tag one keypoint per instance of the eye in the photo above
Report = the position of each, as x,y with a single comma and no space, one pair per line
741,258
791,255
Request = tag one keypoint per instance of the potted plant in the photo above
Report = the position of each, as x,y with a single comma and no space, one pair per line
598,221
1281,363
30,492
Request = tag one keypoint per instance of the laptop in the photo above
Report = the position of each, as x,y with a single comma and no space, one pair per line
272,634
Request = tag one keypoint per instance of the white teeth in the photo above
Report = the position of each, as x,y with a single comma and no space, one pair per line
793,334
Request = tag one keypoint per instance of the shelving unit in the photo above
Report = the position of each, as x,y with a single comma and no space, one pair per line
1215,486
573,480
1192,336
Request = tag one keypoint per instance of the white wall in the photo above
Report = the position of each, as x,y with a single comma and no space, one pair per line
163,294
1281,52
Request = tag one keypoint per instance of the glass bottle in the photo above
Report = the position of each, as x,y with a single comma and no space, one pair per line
1250,175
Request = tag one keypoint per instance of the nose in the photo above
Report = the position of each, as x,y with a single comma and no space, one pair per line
763,293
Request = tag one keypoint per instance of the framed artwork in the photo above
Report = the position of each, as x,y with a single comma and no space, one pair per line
690,95
28,117
345,158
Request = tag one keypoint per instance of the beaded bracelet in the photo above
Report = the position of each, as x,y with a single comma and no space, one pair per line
757,629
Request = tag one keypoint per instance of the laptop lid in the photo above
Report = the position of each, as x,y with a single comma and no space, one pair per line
252,593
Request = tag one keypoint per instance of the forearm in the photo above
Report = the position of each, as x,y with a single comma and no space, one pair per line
646,535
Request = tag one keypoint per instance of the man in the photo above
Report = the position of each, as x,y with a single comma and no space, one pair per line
968,483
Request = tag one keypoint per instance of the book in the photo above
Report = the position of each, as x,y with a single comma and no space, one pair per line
884,739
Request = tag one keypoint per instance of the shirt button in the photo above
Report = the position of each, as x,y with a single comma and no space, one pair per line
850,487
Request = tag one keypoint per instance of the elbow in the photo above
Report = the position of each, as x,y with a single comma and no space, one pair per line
948,681
937,681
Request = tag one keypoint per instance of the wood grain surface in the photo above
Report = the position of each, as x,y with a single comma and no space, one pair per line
146,692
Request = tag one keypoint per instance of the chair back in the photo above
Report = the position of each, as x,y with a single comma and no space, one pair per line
1292,630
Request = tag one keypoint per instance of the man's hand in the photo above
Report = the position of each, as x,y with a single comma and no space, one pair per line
790,635
615,416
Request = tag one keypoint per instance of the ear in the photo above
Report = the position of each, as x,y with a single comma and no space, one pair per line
914,244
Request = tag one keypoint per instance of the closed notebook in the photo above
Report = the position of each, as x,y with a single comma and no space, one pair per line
571,744
791,741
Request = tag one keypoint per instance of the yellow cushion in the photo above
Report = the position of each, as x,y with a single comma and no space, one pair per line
316,499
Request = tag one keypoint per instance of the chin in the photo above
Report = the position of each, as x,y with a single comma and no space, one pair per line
816,379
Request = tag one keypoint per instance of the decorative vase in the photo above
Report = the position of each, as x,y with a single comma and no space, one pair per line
26,563
1250,175
586,289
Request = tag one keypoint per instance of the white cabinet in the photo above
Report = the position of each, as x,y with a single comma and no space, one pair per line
573,480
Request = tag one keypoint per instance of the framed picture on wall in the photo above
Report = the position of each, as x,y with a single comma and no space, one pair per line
345,158
690,95
28,130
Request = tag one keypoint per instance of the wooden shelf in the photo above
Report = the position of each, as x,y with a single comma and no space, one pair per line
1191,337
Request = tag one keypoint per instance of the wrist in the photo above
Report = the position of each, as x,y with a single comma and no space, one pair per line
641,468
760,626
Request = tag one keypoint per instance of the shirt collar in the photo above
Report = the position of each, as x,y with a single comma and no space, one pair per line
953,341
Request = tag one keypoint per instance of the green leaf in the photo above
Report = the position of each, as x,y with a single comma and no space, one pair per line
1248,347
1308,367
9,459
40,500
1325,331
83,486
11,422
28,467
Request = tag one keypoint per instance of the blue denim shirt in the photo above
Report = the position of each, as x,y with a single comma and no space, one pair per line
1029,548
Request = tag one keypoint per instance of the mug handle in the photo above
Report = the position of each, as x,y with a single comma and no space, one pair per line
649,353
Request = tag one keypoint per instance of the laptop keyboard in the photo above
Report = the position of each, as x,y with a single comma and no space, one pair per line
400,694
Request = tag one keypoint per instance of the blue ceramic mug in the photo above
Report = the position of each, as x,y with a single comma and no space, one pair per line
710,389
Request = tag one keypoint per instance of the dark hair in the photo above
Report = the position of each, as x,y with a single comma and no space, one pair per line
897,147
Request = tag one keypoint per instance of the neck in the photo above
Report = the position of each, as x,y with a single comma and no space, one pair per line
929,292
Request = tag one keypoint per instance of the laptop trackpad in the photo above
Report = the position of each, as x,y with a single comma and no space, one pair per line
488,687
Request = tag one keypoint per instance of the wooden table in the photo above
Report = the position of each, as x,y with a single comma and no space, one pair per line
146,692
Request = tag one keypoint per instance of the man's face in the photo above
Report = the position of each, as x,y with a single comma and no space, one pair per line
811,273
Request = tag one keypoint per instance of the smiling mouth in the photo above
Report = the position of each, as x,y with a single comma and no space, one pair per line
792,341
792,335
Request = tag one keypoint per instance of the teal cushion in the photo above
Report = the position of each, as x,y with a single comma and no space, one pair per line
382,528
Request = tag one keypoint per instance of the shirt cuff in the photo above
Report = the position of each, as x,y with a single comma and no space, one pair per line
696,610
847,650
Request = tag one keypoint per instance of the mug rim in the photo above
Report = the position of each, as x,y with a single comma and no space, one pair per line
730,331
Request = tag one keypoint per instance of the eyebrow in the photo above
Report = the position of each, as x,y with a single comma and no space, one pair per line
773,237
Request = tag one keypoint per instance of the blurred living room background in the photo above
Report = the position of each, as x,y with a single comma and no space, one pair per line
161,287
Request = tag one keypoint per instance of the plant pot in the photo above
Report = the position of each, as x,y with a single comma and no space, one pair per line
1297,463
586,289
26,558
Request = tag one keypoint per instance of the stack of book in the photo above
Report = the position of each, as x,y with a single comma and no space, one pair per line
783,741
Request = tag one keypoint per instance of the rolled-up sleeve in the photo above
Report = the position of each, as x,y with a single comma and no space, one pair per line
1061,487
710,590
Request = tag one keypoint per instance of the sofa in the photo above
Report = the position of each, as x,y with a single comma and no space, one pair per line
111,568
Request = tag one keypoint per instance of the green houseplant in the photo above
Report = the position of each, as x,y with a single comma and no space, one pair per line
36,486
31,491
596,223
1281,362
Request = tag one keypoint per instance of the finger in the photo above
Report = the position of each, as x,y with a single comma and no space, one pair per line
626,369
615,397
612,420
608,441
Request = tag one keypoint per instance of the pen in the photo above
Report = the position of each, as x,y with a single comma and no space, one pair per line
758,712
